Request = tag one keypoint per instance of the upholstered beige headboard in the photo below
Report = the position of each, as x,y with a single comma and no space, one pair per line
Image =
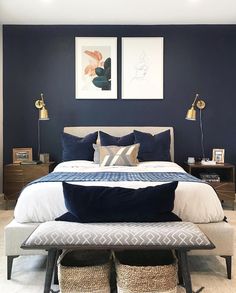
81,131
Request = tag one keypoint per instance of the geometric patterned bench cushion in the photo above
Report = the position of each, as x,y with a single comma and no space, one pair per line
166,234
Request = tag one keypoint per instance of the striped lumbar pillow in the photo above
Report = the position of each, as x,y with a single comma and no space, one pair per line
119,155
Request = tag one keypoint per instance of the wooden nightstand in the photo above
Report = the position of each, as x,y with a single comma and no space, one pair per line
226,187
16,177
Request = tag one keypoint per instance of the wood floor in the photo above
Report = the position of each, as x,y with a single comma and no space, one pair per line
29,271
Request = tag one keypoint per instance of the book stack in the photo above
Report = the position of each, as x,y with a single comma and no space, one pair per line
210,177
207,162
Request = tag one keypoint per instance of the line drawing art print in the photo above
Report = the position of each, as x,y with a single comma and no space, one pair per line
96,67
142,68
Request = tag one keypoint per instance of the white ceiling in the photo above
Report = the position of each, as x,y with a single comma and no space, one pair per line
117,11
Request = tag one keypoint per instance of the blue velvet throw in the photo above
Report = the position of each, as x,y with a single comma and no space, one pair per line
117,176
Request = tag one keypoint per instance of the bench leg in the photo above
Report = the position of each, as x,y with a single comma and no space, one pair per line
10,259
228,260
51,259
183,259
180,276
55,279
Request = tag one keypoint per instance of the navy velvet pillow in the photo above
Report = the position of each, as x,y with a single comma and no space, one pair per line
77,148
94,204
107,139
153,147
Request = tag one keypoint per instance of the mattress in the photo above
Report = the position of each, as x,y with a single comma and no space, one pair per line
196,202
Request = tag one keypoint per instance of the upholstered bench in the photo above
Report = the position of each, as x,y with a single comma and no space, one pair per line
181,236
14,234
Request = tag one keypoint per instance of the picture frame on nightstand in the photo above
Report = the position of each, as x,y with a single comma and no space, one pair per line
21,154
218,155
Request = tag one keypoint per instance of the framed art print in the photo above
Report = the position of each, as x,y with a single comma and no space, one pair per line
218,155
142,68
96,67
21,154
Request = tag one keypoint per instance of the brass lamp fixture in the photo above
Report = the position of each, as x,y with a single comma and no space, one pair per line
43,115
191,115
43,112
200,104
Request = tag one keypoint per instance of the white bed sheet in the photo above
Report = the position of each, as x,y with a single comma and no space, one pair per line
195,202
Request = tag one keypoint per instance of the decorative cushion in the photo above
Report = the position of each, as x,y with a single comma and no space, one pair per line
96,156
119,155
77,148
153,147
116,204
107,139
170,234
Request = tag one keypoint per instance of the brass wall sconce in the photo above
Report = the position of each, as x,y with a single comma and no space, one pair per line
191,115
200,104
43,115
43,112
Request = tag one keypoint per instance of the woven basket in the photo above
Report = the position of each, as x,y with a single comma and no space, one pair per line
84,271
142,272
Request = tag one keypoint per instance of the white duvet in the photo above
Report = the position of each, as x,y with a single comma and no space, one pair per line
195,202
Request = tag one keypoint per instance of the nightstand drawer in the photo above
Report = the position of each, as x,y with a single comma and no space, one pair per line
12,189
225,190
16,177
37,171
13,174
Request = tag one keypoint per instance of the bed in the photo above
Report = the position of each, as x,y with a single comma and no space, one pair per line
194,201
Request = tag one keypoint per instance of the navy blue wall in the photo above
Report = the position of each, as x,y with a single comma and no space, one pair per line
196,59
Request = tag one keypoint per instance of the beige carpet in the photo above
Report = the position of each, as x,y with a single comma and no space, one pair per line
29,271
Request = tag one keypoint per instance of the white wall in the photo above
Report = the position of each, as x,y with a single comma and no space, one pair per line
1,107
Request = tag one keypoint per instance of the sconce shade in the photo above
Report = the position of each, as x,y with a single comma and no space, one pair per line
43,114
191,114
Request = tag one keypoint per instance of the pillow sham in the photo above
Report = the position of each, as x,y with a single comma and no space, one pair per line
96,156
119,155
94,204
153,147
77,148
107,139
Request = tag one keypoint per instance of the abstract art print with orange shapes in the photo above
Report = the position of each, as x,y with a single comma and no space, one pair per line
96,67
